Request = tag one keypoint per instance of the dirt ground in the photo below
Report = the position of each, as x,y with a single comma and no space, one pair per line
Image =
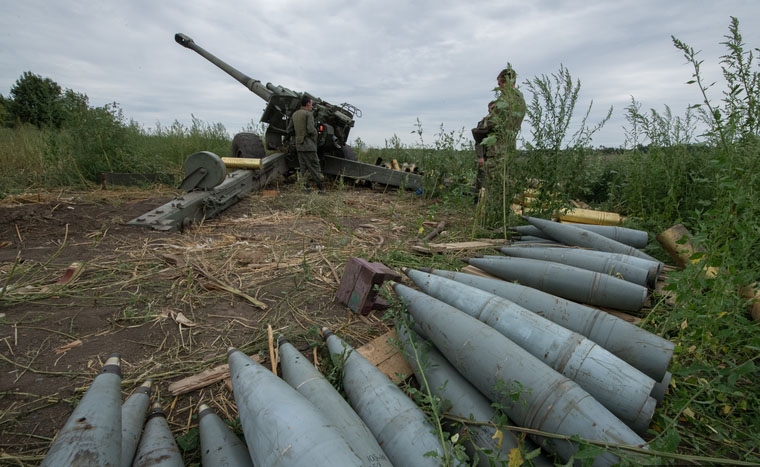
171,303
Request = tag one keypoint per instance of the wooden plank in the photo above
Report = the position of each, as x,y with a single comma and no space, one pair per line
478,272
459,246
434,233
383,353
202,379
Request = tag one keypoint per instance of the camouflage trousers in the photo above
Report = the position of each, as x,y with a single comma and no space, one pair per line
490,177
308,163
486,172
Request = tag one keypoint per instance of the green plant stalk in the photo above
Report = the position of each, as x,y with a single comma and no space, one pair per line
434,405
691,56
631,449
10,274
504,201
41,372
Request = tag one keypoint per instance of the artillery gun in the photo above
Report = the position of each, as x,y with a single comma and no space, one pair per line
334,122
210,189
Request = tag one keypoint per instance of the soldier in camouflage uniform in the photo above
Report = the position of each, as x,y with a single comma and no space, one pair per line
302,123
507,113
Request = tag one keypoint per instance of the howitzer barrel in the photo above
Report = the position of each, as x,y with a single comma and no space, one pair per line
253,84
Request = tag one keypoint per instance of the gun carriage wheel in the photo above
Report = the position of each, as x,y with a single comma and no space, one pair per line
348,153
248,145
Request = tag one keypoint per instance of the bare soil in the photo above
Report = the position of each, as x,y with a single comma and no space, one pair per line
171,303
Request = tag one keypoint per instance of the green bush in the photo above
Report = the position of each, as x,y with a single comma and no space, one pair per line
710,187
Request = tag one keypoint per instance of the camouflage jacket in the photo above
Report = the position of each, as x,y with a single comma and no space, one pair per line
306,132
506,113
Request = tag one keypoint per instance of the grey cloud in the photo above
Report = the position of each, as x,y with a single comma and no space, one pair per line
396,60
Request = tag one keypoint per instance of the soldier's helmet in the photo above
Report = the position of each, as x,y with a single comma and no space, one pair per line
508,74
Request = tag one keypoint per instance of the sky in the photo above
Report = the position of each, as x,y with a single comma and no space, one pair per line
400,62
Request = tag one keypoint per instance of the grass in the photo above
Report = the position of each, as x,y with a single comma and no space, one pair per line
103,142
667,175
709,185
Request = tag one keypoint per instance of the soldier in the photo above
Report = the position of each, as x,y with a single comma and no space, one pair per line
306,143
507,113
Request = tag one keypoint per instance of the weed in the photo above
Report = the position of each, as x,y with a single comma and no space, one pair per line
666,174
428,400
190,442
711,189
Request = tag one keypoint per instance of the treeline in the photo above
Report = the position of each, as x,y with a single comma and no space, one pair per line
41,102
53,137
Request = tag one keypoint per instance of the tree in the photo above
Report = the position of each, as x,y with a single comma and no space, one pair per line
72,106
4,106
37,100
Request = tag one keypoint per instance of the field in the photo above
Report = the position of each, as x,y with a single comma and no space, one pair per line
172,303
77,284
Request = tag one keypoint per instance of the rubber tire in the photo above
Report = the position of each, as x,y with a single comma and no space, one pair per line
248,145
348,153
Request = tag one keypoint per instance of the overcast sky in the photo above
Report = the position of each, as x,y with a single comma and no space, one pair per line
397,61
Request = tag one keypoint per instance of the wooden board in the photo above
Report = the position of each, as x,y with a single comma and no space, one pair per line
431,248
202,379
469,269
386,356
381,352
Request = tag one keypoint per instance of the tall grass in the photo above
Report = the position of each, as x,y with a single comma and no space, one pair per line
448,162
710,183
99,140
21,162
712,188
